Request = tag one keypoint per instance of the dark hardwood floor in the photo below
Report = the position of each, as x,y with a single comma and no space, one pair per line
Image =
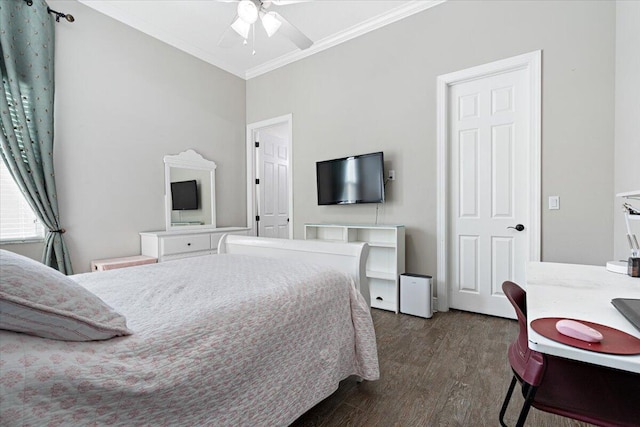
450,370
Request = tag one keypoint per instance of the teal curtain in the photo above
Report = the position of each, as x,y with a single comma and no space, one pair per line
26,115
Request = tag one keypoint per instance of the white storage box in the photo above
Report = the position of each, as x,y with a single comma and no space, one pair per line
415,295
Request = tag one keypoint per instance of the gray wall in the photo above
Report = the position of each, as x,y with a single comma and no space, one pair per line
377,92
123,101
627,124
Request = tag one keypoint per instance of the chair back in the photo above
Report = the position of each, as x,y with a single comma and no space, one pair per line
527,364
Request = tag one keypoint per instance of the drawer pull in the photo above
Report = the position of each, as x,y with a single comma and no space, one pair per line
379,298
188,244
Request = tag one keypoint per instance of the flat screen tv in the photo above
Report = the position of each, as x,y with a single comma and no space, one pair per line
184,195
355,179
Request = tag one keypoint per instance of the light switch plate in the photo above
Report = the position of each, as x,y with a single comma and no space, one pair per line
554,202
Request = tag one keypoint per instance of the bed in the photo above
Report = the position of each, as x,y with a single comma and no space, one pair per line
254,336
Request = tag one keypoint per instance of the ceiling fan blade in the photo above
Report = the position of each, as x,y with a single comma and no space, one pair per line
292,33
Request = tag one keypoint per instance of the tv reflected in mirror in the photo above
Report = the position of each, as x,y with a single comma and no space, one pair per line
184,195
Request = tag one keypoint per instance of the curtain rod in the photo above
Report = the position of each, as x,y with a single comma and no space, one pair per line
57,14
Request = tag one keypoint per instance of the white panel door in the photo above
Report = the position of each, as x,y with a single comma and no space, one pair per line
273,198
489,197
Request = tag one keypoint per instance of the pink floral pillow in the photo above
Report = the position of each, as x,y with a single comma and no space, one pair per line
38,300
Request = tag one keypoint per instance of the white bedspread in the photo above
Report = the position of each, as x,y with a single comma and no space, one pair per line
224,340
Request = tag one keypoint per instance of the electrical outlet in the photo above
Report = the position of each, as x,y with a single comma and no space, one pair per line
392,175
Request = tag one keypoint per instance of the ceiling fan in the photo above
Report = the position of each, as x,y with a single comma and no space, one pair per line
250,11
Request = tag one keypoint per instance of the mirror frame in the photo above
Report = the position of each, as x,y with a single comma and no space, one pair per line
188,159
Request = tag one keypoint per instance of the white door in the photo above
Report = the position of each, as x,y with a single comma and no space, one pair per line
273,171
489,200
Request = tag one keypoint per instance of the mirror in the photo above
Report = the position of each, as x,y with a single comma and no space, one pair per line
190,191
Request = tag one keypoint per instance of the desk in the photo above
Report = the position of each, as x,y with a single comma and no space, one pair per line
581,292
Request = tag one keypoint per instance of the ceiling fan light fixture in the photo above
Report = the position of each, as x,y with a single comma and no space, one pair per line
247,11
241,27
271,23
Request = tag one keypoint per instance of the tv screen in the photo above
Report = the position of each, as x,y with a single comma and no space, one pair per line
184,195
355,179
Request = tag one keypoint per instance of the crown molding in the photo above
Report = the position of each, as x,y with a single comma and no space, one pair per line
374,23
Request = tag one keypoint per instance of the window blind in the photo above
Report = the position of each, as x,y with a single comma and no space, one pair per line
17,220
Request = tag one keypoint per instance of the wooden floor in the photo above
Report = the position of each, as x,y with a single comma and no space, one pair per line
450,370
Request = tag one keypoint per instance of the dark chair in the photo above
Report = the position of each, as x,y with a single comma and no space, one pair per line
582,391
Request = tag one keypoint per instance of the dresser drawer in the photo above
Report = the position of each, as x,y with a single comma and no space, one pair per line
187,255
189,243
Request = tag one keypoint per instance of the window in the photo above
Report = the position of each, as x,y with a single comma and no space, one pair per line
18,223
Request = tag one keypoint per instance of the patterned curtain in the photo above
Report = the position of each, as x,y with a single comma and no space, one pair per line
26,115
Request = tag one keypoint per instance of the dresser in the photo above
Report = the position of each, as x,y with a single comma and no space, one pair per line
176,244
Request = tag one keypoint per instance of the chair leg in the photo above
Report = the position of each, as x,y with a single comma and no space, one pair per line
528,398
507,398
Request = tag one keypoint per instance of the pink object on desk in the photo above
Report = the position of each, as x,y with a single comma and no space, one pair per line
578,330
113,263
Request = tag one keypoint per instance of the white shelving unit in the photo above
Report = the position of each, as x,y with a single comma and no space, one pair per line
386,260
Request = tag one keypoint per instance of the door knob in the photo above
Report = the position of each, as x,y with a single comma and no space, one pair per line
518,227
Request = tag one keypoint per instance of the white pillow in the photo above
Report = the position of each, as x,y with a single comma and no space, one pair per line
36,299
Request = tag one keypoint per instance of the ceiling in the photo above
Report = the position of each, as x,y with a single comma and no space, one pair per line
196,26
